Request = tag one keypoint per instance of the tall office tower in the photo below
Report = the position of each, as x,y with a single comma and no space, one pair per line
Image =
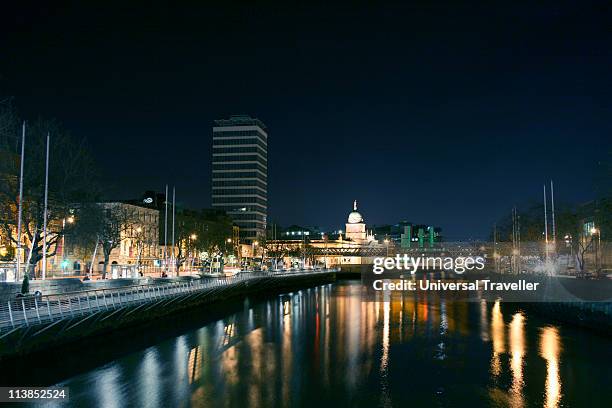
240,173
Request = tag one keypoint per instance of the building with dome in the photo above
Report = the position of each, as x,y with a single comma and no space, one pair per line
356,227
332,251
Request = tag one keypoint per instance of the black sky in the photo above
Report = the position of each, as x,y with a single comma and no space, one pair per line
430,112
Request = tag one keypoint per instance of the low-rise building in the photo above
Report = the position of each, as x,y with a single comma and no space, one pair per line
296,245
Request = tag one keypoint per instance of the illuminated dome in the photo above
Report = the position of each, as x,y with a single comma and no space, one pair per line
355,217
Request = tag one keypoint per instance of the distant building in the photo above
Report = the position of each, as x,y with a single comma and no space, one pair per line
9,169
336,248
356,227
298,232
408,235
139,241
596,215
157,201
240,173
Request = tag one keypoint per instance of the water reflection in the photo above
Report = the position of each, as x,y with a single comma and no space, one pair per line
108,379
498,334
550,348
326,344
286,352
385,399
517,352
149,378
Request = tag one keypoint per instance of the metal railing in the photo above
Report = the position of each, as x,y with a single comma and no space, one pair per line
33,310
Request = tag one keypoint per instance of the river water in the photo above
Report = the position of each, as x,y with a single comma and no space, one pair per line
327,346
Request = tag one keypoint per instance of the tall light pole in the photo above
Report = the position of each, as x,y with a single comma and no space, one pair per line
166,230
325,257
20,210
173,213
70,220
596,231
192,237
254,249
139,248
552,205
303,250
495,255
228,241
44,269
545,226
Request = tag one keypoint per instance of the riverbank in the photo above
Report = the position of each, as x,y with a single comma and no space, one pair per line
28,345
59,286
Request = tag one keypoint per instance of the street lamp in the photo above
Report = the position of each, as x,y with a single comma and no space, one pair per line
192,238
69,220
595,231
386,241
254,249
325,258
230,256
139,250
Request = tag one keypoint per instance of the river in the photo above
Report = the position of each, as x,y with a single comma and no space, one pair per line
327,346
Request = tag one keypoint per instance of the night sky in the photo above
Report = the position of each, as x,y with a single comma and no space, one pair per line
431,113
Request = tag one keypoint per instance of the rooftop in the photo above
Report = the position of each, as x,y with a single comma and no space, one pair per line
240,120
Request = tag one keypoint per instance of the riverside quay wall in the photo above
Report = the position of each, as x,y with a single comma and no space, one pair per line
40,325
8,290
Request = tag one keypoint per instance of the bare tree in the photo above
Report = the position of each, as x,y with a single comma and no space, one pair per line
71,180
119,222
198,231
582,244
106,225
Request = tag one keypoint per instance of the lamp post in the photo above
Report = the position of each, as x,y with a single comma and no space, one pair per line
69,220
254,249
386,241
595,231
228,241
303,250
139,248
192,238
325,257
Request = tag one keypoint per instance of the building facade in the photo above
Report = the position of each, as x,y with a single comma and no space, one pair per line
332,250
137,249
240,173
408,235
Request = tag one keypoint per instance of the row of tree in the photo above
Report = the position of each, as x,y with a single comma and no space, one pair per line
198,232
71,180
76,209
